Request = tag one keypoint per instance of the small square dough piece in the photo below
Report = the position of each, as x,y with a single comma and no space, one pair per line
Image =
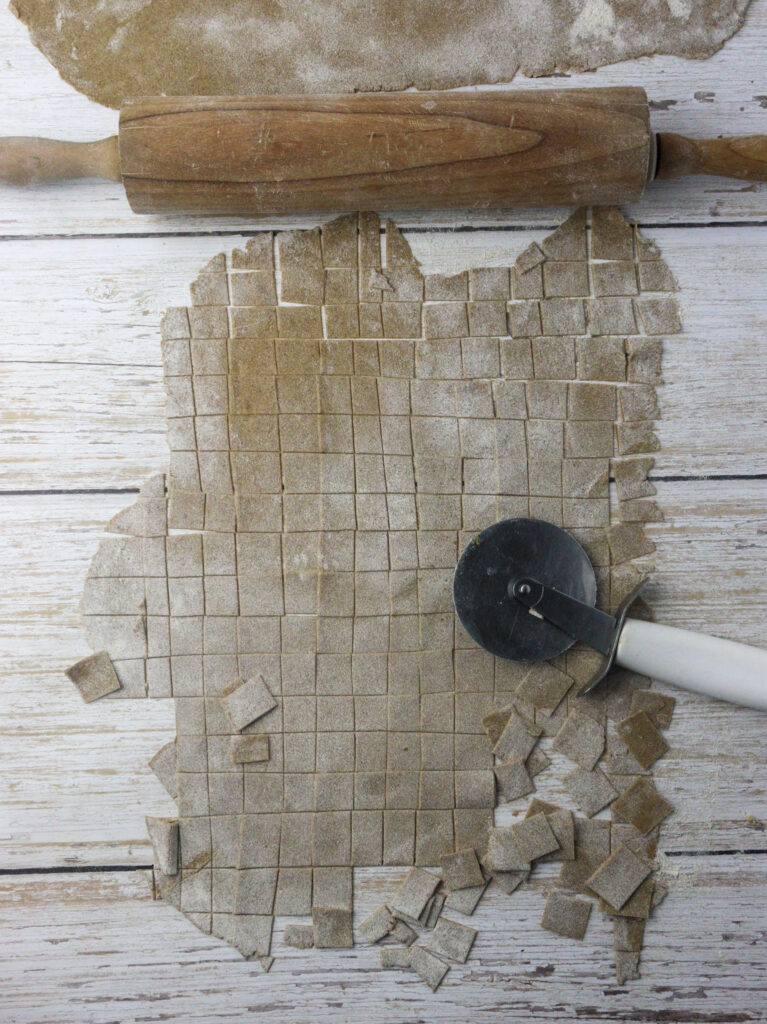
657,706
435,906
299,936
581,738
461,870
332,928
637,907
395,956
517,739
534,837
562,824
566,915
642,738
250,749
495,722
592,848
619,877
377,925
428,967
537,762
503,853
514,779
402,932
246,700
94,676
544,686
414,893
642,805
451,940
509,881
591,791
465,900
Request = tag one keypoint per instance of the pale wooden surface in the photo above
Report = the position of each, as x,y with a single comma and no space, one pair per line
81,424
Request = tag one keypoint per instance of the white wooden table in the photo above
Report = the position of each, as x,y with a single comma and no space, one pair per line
83,285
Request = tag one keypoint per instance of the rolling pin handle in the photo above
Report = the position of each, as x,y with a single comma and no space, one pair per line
33,161
743,157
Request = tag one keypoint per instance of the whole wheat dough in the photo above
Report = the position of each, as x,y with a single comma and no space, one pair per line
123,48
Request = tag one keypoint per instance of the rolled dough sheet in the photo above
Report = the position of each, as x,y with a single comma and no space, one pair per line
214,47
290,547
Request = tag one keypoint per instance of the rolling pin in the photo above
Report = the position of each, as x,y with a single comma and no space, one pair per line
267,155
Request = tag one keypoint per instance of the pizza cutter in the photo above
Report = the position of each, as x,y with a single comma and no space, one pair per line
525,590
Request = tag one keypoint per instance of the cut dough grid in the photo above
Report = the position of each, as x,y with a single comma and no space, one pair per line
340,426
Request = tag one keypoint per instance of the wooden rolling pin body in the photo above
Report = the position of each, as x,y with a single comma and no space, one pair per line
266,155
294,154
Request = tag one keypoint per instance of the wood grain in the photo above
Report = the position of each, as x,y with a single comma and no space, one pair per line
94,948
739,157
263,156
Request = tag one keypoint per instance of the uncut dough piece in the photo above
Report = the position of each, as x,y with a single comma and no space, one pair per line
188,47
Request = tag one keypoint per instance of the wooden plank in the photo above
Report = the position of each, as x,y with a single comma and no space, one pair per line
80,356
95,949
723,96
92,812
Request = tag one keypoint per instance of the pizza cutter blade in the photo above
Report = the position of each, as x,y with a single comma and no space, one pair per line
525,590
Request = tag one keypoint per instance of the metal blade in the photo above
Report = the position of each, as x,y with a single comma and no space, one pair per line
580,621
502,554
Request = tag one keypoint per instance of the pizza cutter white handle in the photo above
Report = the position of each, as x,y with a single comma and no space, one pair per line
694,661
